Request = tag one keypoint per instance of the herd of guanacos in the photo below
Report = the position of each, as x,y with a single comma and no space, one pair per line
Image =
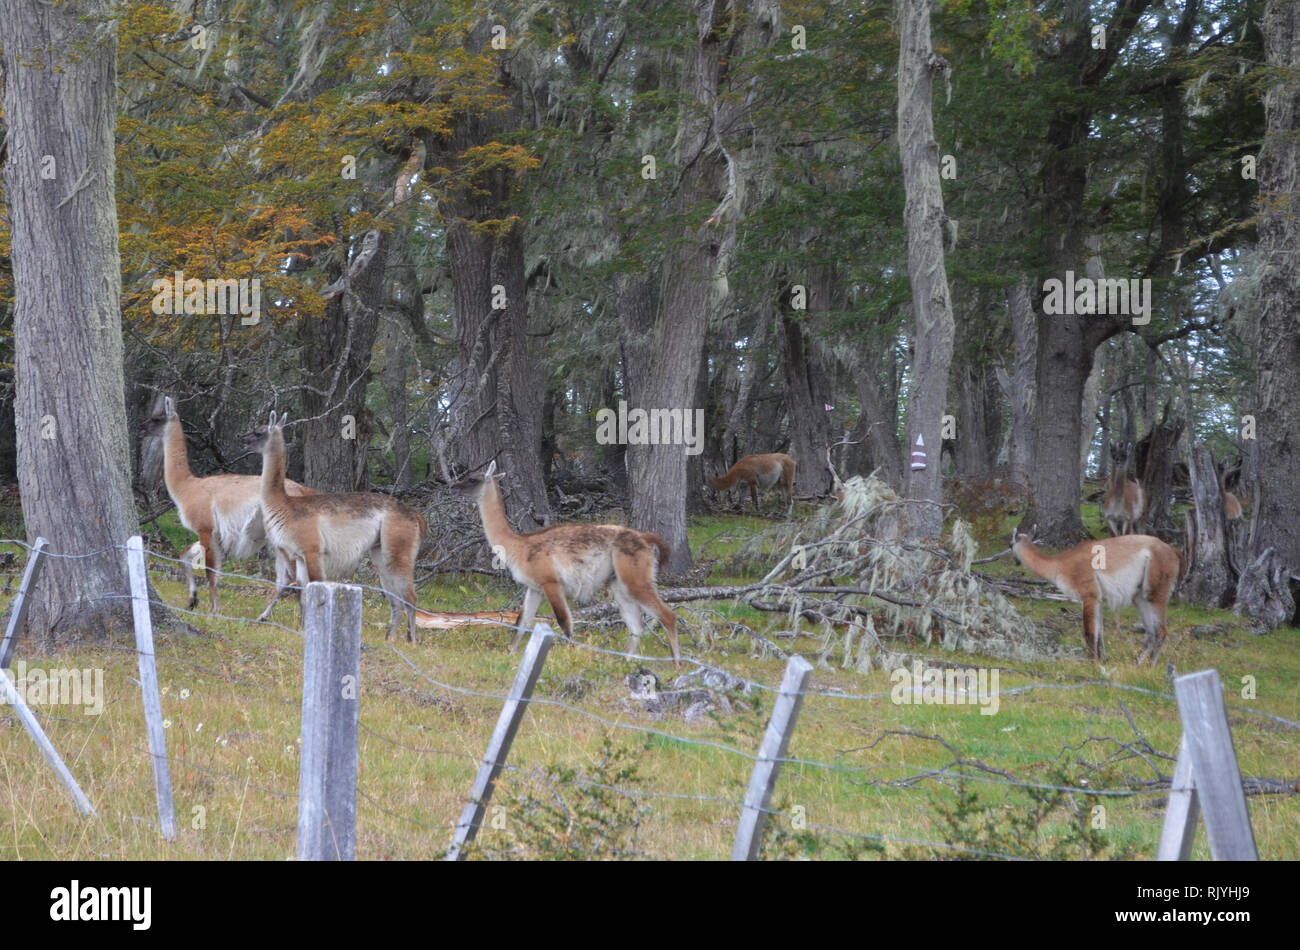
325,536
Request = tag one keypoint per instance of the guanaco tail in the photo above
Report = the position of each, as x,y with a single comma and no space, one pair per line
225,511
760,472
1114,572
1125,500
574,561
329,534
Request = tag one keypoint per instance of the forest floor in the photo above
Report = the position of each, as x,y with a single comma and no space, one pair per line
1073,766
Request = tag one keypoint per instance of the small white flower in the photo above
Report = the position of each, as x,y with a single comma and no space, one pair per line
185,694
250,760
167,723
291,748
199,727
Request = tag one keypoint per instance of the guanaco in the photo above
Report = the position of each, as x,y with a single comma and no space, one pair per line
574,561
1115,572
225,511
329,534
1231,504
760,472
1125,499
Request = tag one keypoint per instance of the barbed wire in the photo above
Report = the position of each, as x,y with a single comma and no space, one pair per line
958,770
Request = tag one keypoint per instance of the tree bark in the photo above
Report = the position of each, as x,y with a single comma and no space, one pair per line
807,395
1022,389
1155,458
932,328
74,473
498,400
1067,342
1277,387
337,348
665,308
1209,578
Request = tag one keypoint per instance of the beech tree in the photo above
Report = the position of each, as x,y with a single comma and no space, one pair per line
1276,457
932,324
74,472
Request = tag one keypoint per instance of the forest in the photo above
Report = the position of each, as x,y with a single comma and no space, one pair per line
977,279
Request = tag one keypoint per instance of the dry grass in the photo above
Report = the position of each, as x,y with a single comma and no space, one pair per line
232,696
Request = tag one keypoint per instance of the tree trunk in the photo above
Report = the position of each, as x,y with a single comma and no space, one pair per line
395,361
74,472
807,391
1155,457
335,426
932,328
877,431
1067,342
1209,580
1277,387
1021,391
498,396
665,309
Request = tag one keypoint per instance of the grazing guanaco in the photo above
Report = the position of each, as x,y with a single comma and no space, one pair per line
760,472
1114,572
225,511
574,561
1125,500
329,534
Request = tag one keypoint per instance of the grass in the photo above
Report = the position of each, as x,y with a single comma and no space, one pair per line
232,697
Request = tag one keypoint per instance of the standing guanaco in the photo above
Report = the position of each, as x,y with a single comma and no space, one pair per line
225,511
760,472
329,534
1114,572
574,561
1125,500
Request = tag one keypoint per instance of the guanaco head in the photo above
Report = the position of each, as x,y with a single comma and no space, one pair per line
471,486
157,423
1019,537
258,439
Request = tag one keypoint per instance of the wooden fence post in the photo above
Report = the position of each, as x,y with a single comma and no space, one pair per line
1207,764
18,611
162,779
539,644
785,712
331,709
11,695
1182,811
9,690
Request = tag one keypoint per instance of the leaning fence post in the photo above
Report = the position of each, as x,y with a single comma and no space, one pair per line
18,610
539,644
1181,812
14,698
331,709
162,779
785,712
1207,764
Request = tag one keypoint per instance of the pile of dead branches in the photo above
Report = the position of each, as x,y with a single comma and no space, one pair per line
852,573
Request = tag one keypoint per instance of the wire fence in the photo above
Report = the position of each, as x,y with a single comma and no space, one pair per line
424,722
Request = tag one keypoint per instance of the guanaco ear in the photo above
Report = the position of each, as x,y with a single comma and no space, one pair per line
491,470
169,407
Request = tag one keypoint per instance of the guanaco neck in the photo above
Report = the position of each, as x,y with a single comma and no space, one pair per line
1118,478
724,481
493,511
273,461
176,458
1044,565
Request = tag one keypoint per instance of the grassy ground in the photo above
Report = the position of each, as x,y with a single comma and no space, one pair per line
232,698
